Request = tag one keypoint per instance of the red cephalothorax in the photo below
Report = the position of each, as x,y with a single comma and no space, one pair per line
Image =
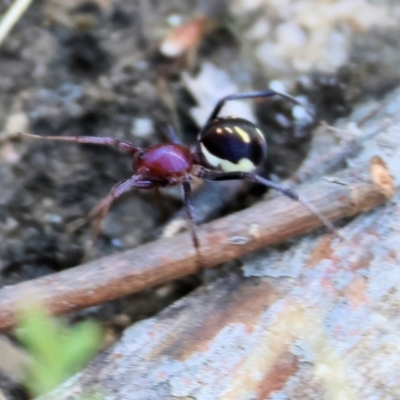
164,160
227,148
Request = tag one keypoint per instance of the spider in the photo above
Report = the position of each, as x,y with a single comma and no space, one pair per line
227,148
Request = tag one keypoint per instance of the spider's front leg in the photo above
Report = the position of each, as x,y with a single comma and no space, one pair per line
169,133
103,141
252,95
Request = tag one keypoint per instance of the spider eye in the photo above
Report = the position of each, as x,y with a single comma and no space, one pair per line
232,144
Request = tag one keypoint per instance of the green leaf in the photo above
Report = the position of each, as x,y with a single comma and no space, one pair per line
57,350
81,344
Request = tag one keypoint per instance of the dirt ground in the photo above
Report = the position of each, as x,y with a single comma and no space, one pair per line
102,68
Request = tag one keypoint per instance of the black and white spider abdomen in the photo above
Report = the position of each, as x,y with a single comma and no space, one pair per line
232,144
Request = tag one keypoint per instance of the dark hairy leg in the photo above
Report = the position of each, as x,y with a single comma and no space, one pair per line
104,141
222,176
252,95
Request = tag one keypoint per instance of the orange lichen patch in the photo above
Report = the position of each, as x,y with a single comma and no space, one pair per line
322,251
381,176
363,261
254,296
284,367
356,292
268,359
115,356
328,286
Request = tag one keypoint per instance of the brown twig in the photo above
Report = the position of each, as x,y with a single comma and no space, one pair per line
264,224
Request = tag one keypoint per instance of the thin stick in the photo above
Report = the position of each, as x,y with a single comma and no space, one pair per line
264,224
12,16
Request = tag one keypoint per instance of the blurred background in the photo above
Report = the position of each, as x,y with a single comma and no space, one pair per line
122,68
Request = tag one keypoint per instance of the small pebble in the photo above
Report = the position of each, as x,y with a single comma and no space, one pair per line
142,127
17,122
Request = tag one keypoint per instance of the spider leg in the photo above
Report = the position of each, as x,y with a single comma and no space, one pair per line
222,176
170,133
101,210
104,141
251,95
187,198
